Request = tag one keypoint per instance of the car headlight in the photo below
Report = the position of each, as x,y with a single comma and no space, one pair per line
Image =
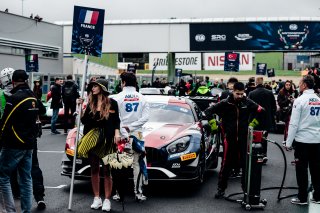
179,145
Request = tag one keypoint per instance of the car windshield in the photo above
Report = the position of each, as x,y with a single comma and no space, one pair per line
169,113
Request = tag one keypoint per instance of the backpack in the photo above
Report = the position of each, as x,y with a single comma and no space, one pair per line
68,91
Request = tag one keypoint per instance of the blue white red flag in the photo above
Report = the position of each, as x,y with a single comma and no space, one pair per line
88,17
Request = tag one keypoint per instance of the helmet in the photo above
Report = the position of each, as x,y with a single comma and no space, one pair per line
6,76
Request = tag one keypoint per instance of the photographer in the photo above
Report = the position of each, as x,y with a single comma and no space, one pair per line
285,100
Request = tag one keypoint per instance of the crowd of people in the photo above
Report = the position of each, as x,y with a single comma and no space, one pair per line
110,120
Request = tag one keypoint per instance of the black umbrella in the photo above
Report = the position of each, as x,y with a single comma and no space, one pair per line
120,163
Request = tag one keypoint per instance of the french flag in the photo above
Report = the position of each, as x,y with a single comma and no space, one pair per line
88,16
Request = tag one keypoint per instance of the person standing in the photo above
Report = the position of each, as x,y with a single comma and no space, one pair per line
285,99
56,104
101,112
304,137
264,98
18,135
134,113
37,90
70,94
235,112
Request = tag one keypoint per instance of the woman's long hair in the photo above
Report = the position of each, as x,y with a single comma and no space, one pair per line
105,106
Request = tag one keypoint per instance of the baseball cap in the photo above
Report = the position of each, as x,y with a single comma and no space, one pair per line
19,76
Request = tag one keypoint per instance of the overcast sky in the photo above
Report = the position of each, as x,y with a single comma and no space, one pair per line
62,10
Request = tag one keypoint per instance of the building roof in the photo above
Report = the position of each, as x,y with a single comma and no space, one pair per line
200,20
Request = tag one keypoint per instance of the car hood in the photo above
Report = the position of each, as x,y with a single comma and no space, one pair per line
157,134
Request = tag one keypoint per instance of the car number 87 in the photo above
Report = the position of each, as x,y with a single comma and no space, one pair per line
132,107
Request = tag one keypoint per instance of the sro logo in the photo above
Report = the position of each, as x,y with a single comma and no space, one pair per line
218,37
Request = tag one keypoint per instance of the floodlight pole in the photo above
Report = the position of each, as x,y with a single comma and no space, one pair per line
84,77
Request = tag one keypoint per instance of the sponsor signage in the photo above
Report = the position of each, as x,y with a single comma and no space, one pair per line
271,73
184,61
303,59
231,61
188,156
178,73
87,31
215,61
132,68
261,69
32,63
266,36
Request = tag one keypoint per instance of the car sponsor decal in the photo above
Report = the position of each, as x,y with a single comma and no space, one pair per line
188,156
175,165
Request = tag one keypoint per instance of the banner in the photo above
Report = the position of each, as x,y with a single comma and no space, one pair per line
215,61
132,68
87,31
271,73
32,63
261,69
178,73
231,61
185,61
266,36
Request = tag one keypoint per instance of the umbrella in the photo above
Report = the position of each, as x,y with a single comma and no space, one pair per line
120,163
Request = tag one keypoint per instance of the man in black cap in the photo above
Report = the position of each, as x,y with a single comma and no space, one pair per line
18,136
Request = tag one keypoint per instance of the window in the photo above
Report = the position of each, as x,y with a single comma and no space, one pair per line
17,51
50,54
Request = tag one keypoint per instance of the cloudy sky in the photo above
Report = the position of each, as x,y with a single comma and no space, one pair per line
62,10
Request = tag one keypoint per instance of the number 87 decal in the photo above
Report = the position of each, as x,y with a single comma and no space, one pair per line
314,111
132,107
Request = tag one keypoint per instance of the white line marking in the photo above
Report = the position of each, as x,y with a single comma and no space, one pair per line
313,207
55,187
51,151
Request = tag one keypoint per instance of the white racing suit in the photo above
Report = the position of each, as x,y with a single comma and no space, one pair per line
134,113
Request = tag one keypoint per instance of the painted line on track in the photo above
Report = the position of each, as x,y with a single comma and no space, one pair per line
51,151
55,187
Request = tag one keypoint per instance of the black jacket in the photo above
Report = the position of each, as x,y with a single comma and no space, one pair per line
90,121
18,124
69,100
56,101
265,98
235,117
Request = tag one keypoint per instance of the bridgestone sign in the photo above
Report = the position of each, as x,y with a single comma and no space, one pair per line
184,61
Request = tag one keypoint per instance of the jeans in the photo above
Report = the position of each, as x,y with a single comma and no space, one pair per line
54,118
10,160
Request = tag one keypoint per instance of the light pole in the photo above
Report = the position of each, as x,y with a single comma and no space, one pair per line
22,5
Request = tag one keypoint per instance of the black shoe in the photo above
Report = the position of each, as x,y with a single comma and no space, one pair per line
55,132
265,160
297,201
314,201
236,175
41,205
219,194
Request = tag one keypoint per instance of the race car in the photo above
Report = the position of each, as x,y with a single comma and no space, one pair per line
179,143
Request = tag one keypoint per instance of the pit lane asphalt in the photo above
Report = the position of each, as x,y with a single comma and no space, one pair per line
163,197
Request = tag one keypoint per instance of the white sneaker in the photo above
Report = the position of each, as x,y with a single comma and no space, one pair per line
106,207
116,197
97,203
140,197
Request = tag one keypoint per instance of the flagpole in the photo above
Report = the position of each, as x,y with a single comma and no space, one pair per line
84,77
